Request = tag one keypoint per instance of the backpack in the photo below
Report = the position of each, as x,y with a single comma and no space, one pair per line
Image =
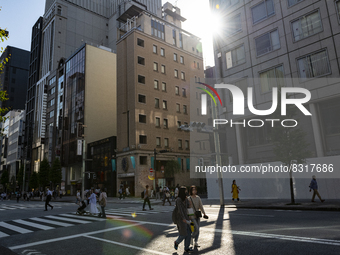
175,215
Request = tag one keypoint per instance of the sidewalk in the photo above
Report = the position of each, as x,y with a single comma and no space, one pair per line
278,204
115,200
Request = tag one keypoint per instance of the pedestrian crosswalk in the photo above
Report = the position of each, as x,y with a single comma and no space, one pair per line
49,222
29,205
135,211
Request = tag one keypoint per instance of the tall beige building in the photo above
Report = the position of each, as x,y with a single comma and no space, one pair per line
156,61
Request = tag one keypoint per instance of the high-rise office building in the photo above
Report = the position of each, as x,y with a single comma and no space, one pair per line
270,43
157,61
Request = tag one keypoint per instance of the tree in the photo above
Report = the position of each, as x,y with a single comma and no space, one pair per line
44,173
4,178
34,182
290,145
55,172
171,168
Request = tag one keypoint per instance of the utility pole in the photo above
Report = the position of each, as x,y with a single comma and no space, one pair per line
23,181
154,166
83,170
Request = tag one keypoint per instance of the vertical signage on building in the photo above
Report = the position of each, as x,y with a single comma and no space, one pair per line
79,147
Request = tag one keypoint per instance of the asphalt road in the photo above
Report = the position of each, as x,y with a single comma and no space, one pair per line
26,229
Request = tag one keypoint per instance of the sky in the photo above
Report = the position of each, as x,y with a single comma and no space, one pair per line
18,17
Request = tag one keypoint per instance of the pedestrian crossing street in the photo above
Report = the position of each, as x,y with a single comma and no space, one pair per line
50,222
30,205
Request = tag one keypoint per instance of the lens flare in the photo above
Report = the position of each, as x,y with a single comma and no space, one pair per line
134,215
151,177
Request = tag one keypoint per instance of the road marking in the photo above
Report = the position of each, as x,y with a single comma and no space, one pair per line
67,219
72,236
15,228
53,222
82,217
128,245
35,225
2,234
255,215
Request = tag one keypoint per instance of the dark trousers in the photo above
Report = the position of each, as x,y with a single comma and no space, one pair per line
102,214
146,200
166,198
47,202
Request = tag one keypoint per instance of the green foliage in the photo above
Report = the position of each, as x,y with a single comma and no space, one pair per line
55,172
34,181
171,168
4,178
44,173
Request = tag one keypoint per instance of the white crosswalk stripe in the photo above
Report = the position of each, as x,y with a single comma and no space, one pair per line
30,205
30,225
138,211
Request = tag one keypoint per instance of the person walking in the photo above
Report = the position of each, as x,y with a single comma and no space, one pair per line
176,191
78,199
48,199
314,186
146,198
93,201
235,190
167,196
127,191
18,196
165,190
182,220
157,192
102,203
196,204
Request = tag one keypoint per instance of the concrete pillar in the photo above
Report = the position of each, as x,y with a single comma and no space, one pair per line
316,131
240,151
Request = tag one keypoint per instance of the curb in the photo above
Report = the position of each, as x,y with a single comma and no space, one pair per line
287,208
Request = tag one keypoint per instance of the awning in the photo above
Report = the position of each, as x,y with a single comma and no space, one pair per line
130,13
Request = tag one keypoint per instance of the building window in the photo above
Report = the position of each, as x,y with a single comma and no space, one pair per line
164,86
235,57
142,139
293,2
165,105
179,124
156,103
178,107
141,61
175,57
142,118
267,42
306,26
198,65
141,98
154,49
179,143
187,144
185,109
263,10
174,37
143,160
51,114
182,60
314,65
176,73
234,24
140,42
155,84
52,91
182,75
338,8
158,141
166,142
158,122
177,90
155,66
272,78
331,125
162,52
184,92
141,79
163,68
165,123
181,40
258,136
157,29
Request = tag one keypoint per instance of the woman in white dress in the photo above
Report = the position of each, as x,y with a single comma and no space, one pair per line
93,205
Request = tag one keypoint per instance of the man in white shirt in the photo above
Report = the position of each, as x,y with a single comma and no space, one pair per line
48,199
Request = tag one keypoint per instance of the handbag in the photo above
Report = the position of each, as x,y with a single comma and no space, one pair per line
198,214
